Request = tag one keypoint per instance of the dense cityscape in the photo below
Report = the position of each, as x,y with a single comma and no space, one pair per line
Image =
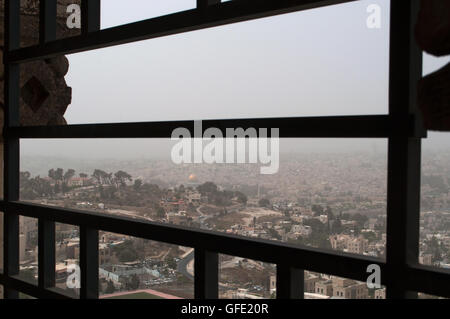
332,201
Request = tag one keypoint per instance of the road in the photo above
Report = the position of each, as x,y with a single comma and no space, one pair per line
183,265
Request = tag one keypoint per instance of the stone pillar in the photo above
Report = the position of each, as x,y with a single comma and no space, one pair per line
433,36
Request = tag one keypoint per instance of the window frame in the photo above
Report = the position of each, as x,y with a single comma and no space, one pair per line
401,273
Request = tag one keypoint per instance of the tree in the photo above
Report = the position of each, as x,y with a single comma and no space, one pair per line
207,188
126,252
133,283
171,263
241,198
152,189
360,219
137,184
121,178
57,188
67,177
107,178
273,234
99,176
52,174
319,236
96,176
317,210
336,226
27,186
264,202
127,255
329,213
24,177
160,212
83,175
59,174
370,236
434,249
110,288
40,186
220,198
436,182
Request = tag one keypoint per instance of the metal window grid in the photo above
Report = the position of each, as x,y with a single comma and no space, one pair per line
402,275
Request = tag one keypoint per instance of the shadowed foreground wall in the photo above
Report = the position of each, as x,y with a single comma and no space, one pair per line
44,95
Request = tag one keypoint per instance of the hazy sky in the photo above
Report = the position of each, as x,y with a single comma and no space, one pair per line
317,62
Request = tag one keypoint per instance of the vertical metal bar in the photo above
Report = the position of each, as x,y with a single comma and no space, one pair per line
89,262
11,145
46,253
404,154
206,274
290,282
46,229
90,16
11,251
47,21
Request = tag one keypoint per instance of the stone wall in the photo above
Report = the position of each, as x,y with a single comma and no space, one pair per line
45,95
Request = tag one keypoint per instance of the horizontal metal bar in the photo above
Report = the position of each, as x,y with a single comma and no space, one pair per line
30,289
204,3
369,126
429,280
302,257
190,20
